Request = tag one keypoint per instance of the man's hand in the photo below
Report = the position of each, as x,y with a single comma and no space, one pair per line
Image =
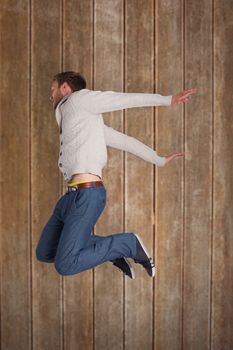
182,97
173,155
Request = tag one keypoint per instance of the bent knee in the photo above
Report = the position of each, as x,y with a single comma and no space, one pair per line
39,255
43,257
62,269
67,268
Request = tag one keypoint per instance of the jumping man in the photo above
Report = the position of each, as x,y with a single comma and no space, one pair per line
66,238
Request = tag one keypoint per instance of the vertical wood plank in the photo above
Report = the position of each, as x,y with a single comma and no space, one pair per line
46,22
15,206
108,311
139,55
198,176
78,52
222,301
168,244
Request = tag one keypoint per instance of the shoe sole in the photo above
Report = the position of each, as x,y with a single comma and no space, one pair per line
147,253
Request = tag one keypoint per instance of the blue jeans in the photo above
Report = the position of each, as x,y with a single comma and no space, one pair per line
67,238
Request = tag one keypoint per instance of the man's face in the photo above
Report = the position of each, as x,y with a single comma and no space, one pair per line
56,94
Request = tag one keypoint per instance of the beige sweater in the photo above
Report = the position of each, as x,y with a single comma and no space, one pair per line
84,136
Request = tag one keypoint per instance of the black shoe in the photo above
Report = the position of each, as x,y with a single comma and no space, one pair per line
143,257
125,266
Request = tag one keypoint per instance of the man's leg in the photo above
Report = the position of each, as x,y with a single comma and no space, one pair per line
73,256
47,245
73,252
121,263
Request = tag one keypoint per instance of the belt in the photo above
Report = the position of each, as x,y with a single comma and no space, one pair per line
84,185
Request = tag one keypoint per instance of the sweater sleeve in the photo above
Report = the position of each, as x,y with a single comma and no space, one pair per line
116,139
97,102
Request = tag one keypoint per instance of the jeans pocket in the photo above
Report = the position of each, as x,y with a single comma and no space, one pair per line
81,202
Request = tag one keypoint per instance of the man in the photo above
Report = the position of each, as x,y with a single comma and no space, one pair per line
66,239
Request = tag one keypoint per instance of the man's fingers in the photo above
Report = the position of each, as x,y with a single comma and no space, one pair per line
175,154
186,94
191,90
179,154
183,96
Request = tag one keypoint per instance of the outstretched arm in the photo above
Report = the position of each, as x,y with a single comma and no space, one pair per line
98,102
123,142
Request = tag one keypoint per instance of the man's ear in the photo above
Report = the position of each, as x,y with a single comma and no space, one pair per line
65,88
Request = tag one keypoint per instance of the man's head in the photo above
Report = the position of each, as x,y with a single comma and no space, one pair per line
64,84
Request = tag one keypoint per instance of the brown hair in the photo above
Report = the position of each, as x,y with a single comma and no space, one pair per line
75,80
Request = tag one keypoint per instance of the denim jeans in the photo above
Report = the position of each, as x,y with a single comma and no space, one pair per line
67,238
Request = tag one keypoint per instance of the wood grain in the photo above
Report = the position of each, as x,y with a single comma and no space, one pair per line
78,290
139,176
15,181
169,183
183,211
45,62
222,301
198,177
108,75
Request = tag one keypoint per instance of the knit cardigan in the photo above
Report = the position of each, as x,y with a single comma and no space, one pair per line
84,135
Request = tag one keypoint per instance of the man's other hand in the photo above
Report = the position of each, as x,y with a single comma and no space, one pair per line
174,155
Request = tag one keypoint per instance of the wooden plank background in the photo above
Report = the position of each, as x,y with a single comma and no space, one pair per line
183,211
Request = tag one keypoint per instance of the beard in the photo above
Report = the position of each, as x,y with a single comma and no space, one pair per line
57,100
